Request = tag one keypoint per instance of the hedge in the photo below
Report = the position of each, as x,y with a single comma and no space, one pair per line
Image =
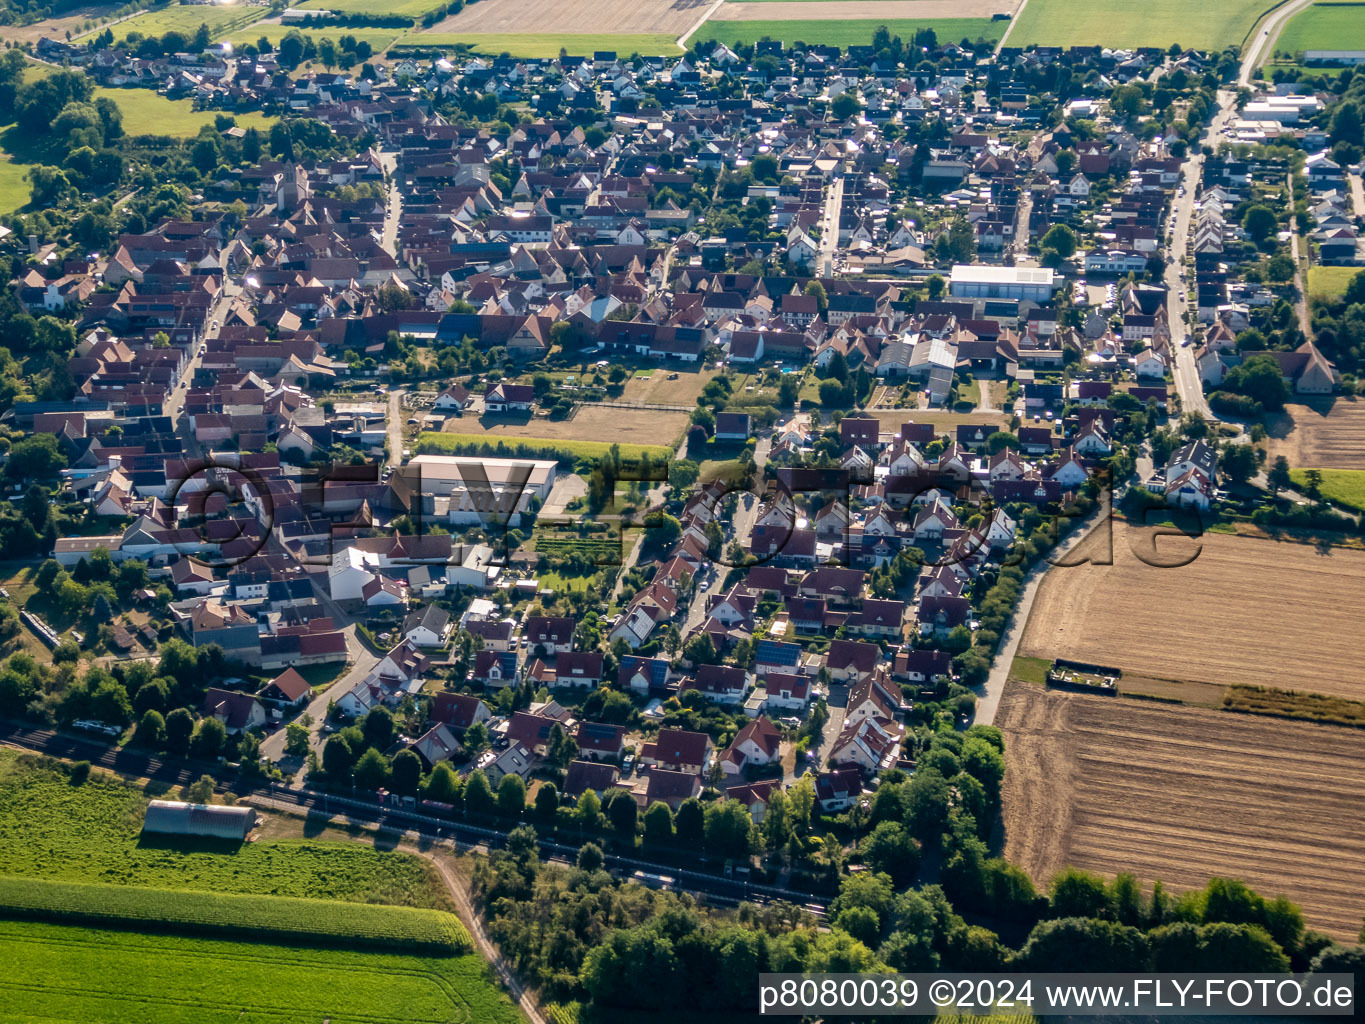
236,916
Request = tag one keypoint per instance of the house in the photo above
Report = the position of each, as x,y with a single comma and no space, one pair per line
733,427
427,626
873,744
514,760
286,690
509,398
754,797
495,668
599,741
238,712
459,710
590,775
757,744
720,684
547,635
678,750
455,398
837,789
578,668
435,745
643,674
852,659
671,788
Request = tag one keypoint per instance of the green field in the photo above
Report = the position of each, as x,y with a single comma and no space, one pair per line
146,113
1330,282
1343,486
379,38
187,18
431,443
235,915
848,33
1325,26
1211,24
90,833
13,188
77,975
413,9
533,44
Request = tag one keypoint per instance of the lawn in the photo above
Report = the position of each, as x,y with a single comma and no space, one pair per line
188,17
1330,282
81,975
848,33
1325,26
1343,486
1124,23
147,113
90,833
544,44
429,443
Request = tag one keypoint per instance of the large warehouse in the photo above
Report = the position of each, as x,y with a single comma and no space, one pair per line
171,817
981,282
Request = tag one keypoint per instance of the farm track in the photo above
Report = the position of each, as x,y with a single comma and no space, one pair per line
1182,794
1239,613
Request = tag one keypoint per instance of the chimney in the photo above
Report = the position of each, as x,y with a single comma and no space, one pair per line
33,244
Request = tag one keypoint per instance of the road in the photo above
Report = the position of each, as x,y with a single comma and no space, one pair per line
682,39
393,208
174,405
1264,44
361,660
1010,27
829,228
1300,265
393,423
1357,195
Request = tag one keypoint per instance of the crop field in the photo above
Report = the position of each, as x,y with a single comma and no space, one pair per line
1325,26
1123,23
380,39
858,10
608,17
457,443
1320,436
146,113
236,915
1331,282
544,44
589,423
1182,794
1343,486
1240,612
186,18
601,548
90,833
77,975
841,32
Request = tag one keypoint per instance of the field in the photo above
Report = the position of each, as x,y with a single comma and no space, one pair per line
589,423
413,9
608,17
545,44
1343,486
1321,436
146,113
944,422
90,833
1325,26
1182,794
235,915
380,39
859,10
1122,23
835,32
77,976
1240,612
657,389
1331,282
187,18
452,443
14,191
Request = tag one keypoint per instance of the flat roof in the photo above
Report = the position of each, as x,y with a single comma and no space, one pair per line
455,467
1003,275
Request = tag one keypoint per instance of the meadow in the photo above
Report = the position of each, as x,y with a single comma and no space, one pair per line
188,17
848,32
413,9
1325,26
1343,486
1123,23
77,975
429,443
543,44
235,915
91,833
379,39
147,113
1331,282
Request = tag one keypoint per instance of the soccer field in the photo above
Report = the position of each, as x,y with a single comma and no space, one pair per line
1211,24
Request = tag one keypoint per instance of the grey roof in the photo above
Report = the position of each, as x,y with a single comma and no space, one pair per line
175,818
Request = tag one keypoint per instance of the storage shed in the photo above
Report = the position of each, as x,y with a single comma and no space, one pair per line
171,817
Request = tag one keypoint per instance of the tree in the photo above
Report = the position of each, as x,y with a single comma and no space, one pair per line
1062,239
1277,478
443,785
1083,945
35,458
327,52
405,773
201,791
588,811
524,845
372,770
727,825
845,105
817,289
337,760
296,740
1238,462
658,823
377,728
937,286
1313,484
590,857
179,729
689,824
547,801
478,794
151,730
1280,268
1260,378
890,849
1259,222
622,812
1077,893
512,795
109,703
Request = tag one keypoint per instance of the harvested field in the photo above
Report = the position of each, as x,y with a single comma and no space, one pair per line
590,423
1325,435
659,390
1182,794
1241,612
624,17
857,10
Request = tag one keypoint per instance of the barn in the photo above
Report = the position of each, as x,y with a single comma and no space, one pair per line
171,817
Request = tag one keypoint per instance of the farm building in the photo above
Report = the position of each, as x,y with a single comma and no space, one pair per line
171,817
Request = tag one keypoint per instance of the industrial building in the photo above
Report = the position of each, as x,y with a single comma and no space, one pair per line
975,281
171,817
